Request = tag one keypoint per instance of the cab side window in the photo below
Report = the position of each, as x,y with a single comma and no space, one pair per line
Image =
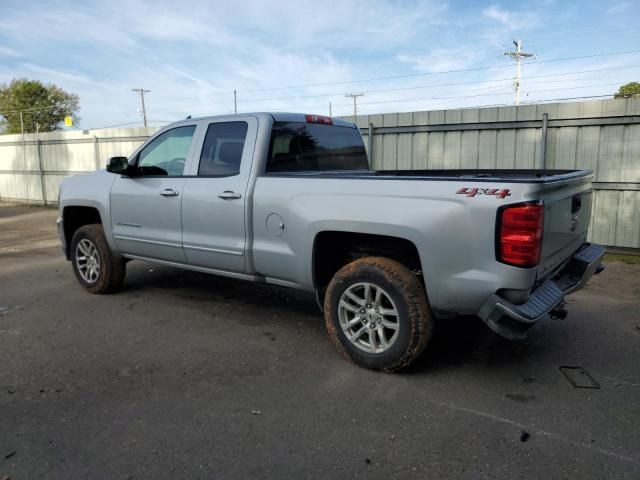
167,153
222,149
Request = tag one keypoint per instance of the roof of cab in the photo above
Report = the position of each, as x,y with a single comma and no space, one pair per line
277,116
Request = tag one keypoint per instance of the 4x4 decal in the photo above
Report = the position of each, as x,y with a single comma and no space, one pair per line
472,192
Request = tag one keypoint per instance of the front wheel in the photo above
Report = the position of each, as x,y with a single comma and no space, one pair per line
96,267
376,312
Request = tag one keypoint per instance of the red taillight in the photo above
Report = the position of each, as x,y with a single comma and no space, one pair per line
520,235
319,119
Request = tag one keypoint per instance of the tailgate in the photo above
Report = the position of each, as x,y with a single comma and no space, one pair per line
567,212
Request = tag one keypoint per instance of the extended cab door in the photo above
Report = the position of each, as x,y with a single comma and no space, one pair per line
214,201
146,208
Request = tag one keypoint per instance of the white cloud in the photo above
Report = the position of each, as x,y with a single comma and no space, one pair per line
442,59
8,52
54,75
512,20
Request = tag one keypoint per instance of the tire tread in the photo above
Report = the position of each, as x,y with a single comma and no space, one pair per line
113,267
420,318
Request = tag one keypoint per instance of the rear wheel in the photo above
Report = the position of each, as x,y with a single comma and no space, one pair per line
96,267
376,312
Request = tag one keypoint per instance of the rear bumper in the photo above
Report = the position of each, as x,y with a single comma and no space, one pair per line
512,321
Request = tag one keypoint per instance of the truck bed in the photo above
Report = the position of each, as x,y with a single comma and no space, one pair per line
502,175
478,175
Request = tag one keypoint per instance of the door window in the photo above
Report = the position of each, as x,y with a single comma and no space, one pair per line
167,153
222,149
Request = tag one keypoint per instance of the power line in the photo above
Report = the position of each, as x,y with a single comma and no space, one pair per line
537,102
27,110
142,91
131,123
409,100
413,100
463,70
420,87
486,94
531,102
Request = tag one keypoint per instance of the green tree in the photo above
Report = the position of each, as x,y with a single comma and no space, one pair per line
43,106
629,90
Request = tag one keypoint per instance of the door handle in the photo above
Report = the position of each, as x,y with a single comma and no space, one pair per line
229,195
169,192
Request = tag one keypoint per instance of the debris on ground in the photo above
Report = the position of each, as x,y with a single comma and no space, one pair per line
256,412
579,377
10,454
524,436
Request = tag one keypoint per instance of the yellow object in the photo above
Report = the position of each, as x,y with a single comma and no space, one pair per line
68,121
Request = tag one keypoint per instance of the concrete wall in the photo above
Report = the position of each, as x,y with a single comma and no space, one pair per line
603,136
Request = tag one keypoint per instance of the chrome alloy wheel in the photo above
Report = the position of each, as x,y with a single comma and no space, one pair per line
368,317
88,260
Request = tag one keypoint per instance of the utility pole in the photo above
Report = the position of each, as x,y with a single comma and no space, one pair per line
235,102
330,110
355,102
518,55
142,91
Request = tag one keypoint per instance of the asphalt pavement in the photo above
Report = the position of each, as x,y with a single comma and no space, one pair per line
184,375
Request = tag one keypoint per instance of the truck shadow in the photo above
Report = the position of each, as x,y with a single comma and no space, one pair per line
210,291
466,342
457,342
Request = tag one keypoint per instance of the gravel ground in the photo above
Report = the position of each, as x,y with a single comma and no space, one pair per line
183,375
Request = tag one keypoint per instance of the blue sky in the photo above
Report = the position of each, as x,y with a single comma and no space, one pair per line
192,55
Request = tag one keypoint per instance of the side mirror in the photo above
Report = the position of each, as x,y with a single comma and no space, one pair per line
118,165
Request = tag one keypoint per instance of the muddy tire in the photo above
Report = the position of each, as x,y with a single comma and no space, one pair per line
376,312
96,267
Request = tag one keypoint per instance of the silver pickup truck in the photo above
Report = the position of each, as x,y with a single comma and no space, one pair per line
290,199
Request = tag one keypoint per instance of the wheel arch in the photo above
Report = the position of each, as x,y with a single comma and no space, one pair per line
76,216
333,249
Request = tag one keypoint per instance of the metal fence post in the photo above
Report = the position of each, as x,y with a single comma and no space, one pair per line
543,141
41,171
370,143
24,159
96,152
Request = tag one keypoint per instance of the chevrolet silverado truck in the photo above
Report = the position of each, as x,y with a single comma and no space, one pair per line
291,200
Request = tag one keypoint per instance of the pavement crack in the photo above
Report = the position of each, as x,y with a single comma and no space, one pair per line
531,429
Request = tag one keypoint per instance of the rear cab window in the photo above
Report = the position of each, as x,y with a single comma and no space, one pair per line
309,147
